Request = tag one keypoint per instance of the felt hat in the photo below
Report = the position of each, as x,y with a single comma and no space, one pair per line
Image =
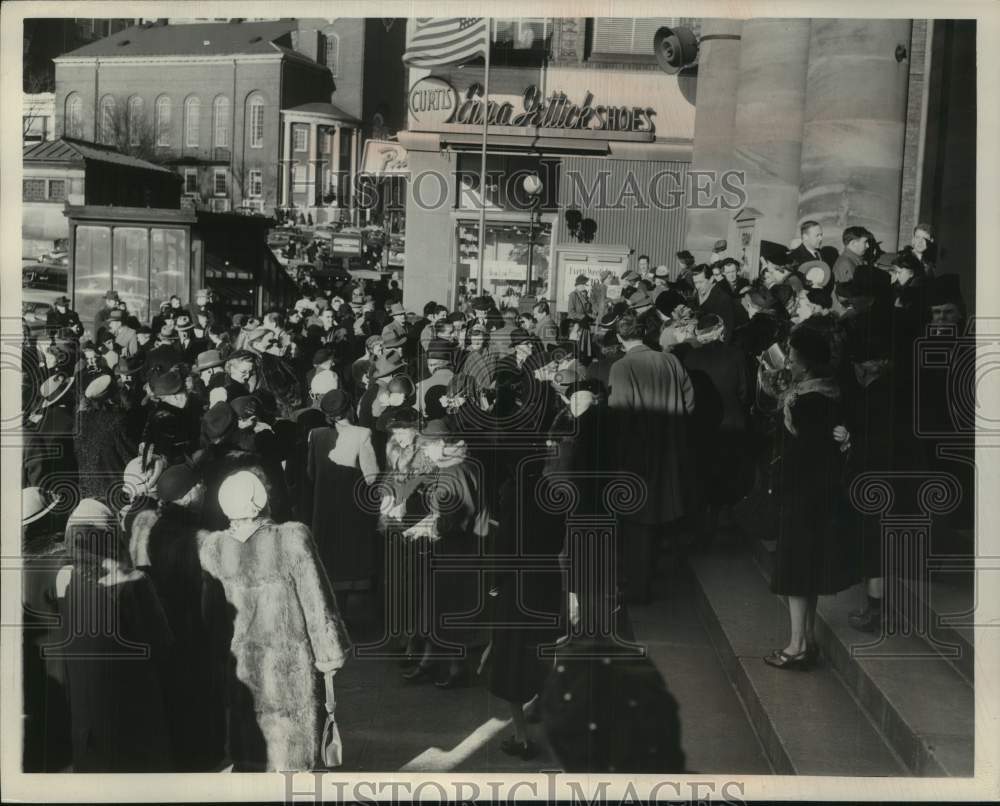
321,355
242,495
371,341
392,338
245,407
821,273
116,315
404,417
111,294
482,304
166,383
630,276
218,420
54,387
773,252
662,272
397,309
63,300
98,387
640,299
209,359
183,322
719,246
129,365
520,336
388,365
686,256
335,403
176,482
139,481
439,350
436,428
582,279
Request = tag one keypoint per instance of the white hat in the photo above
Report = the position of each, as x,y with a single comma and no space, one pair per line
36,503
139,482
323,382
97,387
242,495
90,511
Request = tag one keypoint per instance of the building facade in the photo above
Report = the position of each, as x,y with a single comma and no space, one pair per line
255,116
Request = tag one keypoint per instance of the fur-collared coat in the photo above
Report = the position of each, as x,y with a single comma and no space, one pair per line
286,631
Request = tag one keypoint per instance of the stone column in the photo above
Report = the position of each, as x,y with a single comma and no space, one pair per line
335,163
855,120
312,174
767,131
286,162
354,171
718,79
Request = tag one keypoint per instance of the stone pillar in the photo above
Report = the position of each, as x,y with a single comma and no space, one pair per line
718,78
286,163
312,176
335,163
855,120
354,171
767,131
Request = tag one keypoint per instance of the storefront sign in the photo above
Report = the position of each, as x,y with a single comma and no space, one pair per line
433,100
556,111
383,158
345,245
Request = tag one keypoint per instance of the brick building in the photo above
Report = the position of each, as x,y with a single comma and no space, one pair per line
254,116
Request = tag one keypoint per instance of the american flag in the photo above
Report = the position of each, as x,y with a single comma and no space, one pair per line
446,40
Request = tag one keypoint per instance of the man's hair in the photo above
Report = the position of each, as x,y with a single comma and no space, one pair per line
542,307
805,226
440,309
853,233
906,259
813,350
703,269
430,308
631,327
644,257
439,327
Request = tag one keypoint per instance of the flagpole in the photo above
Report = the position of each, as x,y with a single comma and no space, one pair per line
482,164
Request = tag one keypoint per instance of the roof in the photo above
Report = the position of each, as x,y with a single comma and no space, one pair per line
223,38
324,108
67,149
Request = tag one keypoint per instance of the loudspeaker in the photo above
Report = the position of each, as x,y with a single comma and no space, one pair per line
675,48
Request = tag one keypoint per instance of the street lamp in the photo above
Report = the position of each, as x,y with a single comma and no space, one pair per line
532,185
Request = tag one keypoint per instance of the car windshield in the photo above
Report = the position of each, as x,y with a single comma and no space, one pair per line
44,279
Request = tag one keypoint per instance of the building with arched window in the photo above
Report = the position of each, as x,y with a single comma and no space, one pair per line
268,116
108,121
137,124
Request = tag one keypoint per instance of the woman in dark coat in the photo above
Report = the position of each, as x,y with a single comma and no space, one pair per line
816,552
102,443
342,460
456,526
116,694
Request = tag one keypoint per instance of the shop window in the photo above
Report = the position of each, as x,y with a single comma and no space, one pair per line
130,268
521,41
91,269
168,261
33,190
509,251
629,38
191,181
220,111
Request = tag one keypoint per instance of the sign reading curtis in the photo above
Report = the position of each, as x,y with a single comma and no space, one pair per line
433,100
556,111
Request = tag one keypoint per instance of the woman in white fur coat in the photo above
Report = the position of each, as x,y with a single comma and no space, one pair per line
287,636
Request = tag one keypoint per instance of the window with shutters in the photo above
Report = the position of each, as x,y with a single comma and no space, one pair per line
220,111
630,38
163,121
192,121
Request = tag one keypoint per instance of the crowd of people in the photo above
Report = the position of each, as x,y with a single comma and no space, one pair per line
222,482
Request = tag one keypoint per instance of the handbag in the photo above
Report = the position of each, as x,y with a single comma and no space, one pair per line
331,746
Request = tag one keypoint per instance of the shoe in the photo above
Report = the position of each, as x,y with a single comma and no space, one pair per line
779,660
524,750
420,673
869,621
453,680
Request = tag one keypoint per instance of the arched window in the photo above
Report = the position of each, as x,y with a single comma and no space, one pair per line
107,118
73,121
192,121
331,52
136,121
163,121
255,121
220,124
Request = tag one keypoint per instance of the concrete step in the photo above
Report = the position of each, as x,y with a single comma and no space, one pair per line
922,703
808,722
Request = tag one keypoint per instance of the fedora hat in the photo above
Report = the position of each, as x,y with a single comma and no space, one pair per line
208,360
98,387
397,309
183,322
388,365
54,387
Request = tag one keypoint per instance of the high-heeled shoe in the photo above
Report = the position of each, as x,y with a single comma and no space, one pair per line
421,673
779,660
525,750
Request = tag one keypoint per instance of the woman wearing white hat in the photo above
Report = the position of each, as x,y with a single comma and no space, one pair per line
288,638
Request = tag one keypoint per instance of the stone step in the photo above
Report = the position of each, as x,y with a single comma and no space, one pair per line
923,703
808,722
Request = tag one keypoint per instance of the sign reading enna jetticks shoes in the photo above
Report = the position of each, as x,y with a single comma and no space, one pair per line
434,101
